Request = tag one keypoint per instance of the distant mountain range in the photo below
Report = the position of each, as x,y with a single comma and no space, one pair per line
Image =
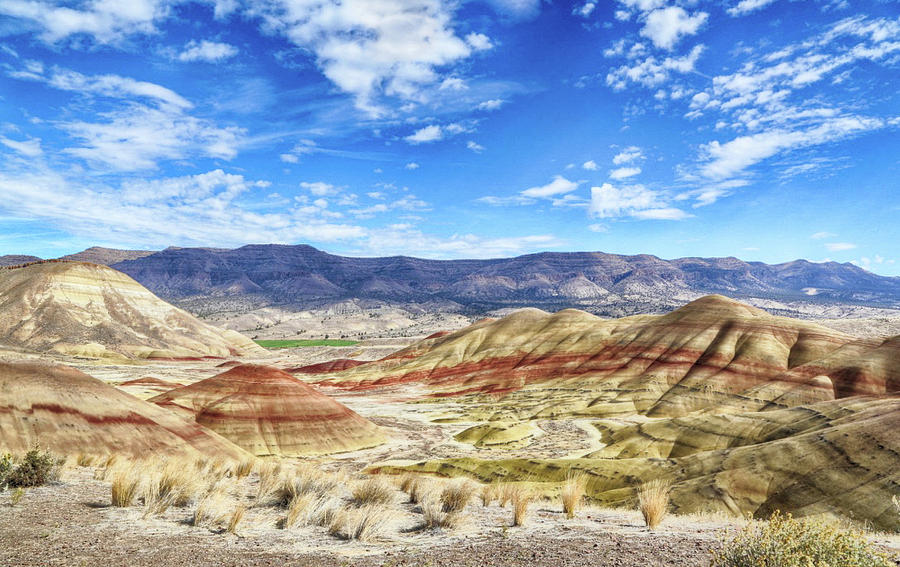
302,276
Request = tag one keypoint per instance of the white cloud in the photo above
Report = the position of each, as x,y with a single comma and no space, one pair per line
109,85
624,172
320,188
651,71
453,84
209,51
628,155
518,9
666,26
635,201
839,246
475,146
106,21
597,227
590,165
28,148
425,135
822,235
191,210
479,41
411,165
138,136
289,158
492,104
370,48
747,6
584,10
558,186
733,157
495,201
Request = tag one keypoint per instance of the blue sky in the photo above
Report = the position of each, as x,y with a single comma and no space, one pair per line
762,129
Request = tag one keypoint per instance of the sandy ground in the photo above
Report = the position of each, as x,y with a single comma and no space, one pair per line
70,523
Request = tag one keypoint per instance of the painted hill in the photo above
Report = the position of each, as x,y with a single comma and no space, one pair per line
713,354
70,412
91,310
17,259
744,411
269,412
301,275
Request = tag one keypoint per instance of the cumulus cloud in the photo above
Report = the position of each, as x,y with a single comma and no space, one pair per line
624,172
425,135
636,201
475,146
584,10
320,188
492,104
103,21
628,155
209,51
558,186
479,41
590,165
666,26
651,71
412,165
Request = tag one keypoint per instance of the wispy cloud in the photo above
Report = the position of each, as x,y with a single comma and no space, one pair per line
209,51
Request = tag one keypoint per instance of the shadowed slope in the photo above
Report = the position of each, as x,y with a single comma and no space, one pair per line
713,354
69,412
91,310
269,412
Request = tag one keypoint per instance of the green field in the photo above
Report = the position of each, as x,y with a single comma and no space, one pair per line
293,343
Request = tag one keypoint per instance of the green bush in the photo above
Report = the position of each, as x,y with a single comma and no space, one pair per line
37,468
787,542
6,465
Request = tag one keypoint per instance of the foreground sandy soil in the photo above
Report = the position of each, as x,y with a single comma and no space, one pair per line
70,523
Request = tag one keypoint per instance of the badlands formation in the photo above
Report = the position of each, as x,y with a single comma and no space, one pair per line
83,309
266,411
743,412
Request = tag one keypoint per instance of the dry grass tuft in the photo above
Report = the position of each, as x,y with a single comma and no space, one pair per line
653,499
572,493
244,467
489,493
124,489
307,510
506,491
435,515
306,479
521,498
373,490
456,496
83,460
236,516
211,509
366,523
269,481
175,483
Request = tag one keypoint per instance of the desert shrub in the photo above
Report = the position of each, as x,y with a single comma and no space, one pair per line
787,542
572,493
37,468
6,465
16,496
372,490
653,500
455,496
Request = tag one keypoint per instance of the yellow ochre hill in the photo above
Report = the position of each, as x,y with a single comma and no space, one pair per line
82,309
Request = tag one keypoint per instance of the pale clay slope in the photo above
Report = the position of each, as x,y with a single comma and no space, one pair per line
82,309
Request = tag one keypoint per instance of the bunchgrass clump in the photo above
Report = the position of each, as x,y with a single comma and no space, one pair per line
372,491
124,489
173,484
237,515
521,498
456,496
489,494
211,509
269,482
365,523
784,541
435,515
572,493
653,500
